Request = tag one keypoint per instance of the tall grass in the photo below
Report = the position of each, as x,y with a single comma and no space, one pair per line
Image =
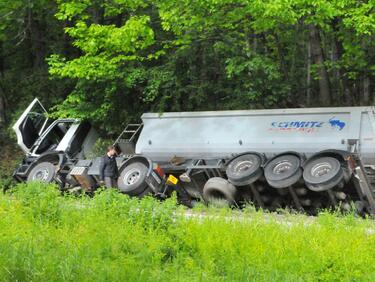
45,236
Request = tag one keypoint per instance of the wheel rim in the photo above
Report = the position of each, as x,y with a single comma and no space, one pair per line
321,169
243,166
323,174
132,176
41,175
282,167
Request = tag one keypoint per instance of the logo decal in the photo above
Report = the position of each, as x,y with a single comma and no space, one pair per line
306,126
297,124
336,123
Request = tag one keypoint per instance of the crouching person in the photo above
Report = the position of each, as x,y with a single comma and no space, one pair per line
108,168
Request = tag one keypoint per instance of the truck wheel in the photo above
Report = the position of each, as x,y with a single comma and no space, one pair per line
323,173
218,189
132,179
244,170
44,172
283,171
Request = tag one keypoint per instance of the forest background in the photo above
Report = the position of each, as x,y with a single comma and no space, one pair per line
108,61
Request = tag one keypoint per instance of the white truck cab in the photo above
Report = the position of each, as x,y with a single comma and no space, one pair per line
37,133
50,143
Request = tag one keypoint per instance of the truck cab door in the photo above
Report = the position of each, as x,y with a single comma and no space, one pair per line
30,125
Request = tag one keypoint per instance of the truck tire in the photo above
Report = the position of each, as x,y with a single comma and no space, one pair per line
244,170
283,171
44,172
219,189
132,179
323,173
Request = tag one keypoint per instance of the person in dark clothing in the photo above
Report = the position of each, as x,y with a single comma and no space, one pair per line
108,168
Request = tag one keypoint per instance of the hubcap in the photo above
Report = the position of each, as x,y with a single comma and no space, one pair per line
41,175
244,165
132,176
321,169
282,167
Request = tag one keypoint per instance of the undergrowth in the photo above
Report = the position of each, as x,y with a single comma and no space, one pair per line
48,236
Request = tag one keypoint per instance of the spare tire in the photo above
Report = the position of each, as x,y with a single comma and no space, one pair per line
283,171
244,169
44,172
219,189
323,173
132,179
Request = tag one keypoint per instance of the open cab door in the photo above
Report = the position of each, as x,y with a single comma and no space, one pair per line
30,125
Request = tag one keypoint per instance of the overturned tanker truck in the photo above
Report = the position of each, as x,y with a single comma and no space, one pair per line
302,159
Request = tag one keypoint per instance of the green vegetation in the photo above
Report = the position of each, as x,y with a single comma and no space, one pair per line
46,236
108,61
111,60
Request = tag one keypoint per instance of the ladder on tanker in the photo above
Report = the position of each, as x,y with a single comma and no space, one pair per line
125,143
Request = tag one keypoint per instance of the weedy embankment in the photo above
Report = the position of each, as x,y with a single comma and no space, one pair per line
45,236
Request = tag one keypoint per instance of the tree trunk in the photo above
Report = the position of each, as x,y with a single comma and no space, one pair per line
2,94
318,59
308,77
2,108
36,39
1,60
281,57
342,79
366,90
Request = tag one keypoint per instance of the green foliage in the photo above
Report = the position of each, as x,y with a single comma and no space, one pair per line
110,61
100,44
264,81
29,32
109,53
46,236
208,55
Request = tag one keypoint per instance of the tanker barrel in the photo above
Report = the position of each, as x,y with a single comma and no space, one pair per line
222,134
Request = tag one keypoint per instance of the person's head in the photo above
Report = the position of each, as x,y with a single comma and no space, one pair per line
111,151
